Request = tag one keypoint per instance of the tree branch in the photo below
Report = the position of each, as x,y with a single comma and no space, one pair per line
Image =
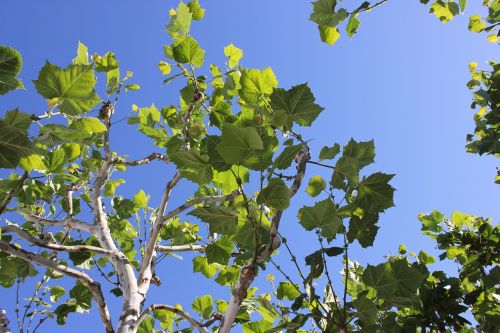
67,222
56,247
180,248
94,287
145,160
194,323
145,272
249,271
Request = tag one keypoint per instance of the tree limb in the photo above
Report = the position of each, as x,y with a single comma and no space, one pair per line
68,222
194,323
145,160
56,247
145,272
180,248
249,271
94,287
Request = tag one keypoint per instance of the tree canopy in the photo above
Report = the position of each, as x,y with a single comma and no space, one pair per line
236,157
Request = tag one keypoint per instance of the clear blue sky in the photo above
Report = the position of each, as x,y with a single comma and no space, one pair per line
400,81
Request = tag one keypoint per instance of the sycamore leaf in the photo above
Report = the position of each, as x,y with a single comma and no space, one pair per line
238,143
315,186
375,194
233,55
395,278
294,105
10,67
219,251
180,21
285,159
193,166
14,145
188,52
328,35
201,265
256,83
82,55
288,291
221,219
72,86
203,305
323,215
196,10
444,10
276,195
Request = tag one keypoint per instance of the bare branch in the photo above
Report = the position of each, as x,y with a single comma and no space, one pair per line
67,222
194,323
145,160
180,248
56,247
94,287
145,272
249,271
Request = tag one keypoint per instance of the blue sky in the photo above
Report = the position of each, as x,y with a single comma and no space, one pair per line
400,81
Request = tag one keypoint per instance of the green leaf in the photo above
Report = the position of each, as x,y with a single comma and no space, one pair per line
375,194
285,159
203,305
10,67
463,3
219,251
425,258
323,215
32,162
164,67
329,153
201,265
238,143
141,199
147,325
180,21
476,24
18,119
257,83
288,291
196,10
276,195
395,278
315,186
193,166
82,296
444,10
132,87
73,87
295,105
56,292
221,219
88,125
189,52
14,145
110,187
355,156
366,310
328,18
82,55
233,55
107,63
226,181
352,25
328,35
364,230
55,160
